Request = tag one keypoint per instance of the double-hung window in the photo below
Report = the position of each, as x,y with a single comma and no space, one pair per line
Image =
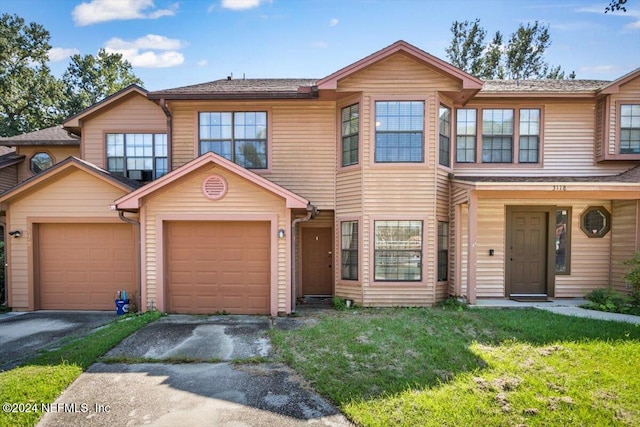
466,135
497,136
445,136
399,131
529,137
139,156
630,129
238,136
349,250
443,251
350,130
398,251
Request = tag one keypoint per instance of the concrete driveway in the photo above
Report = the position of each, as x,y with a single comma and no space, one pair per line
230,380
24,335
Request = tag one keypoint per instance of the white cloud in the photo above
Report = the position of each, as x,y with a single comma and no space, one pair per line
630,13
202,63
241,4
61,53
320,44
110,10
598,69
333,22
142,52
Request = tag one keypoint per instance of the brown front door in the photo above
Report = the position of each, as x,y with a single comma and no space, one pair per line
527,251
317,261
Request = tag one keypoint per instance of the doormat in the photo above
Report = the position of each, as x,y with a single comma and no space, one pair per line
530,298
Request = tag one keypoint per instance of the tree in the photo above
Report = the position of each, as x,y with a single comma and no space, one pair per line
521,58
90,79
29,93
616,5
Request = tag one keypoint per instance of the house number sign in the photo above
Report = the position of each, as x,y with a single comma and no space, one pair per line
559,188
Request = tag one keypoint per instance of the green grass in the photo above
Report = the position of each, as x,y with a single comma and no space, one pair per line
42,379
421,367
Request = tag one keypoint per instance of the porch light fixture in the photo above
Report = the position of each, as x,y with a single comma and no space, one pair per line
15,233
281,233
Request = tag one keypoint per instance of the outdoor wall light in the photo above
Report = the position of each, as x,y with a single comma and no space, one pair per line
15,233
281,233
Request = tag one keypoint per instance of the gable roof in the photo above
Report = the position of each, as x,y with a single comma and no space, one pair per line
614,86
468,81
133,200
119,181
11,159
241,89
54,135
73,122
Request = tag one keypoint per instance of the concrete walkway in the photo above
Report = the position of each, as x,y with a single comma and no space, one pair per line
567,307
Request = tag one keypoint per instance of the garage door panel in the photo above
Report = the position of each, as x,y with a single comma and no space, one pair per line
225,263
81,266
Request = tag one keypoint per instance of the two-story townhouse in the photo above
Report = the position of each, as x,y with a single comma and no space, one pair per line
395,181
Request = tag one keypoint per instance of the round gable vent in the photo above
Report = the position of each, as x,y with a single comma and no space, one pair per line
214,187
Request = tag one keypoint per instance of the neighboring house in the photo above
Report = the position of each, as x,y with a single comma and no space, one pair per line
396,181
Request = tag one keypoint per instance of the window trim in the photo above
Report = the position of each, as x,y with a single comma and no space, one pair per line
136,132
567,253
448,166
339,222
37,151
222,109
618,142
341,137
372,132
607,215
372,256
516,136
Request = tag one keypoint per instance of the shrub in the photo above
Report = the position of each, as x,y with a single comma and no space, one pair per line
452,303
632,277
604,299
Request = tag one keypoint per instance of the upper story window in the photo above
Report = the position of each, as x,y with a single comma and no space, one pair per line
350,128
238,136
630,129
501,133
445,136
140,156
399,131
40,161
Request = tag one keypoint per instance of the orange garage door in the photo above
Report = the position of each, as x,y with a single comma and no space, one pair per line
81,266
218,266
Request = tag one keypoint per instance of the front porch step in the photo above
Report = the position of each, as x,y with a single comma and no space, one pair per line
529,297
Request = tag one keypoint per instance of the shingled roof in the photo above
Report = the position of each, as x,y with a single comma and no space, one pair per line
241,89
630,176
549,85
54,135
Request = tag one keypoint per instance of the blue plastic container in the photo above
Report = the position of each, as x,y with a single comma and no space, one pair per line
122,306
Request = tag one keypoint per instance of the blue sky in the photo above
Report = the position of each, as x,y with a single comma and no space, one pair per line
174,43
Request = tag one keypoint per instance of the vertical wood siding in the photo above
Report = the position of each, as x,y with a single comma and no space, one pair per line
78,195
59,153
186,197
136,114
303,143
624,240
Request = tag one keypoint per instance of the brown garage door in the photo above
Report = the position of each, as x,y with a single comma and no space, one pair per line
218,266
81,266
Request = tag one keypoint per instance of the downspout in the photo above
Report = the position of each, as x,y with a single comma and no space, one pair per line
163,104
312,212
137,224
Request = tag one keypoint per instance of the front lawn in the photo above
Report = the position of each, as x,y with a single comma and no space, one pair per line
421,367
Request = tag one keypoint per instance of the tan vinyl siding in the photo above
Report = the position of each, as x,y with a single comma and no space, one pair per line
624,240
8,177
302,143
135,114
58,153
77,196
185,198
397,74
567,143
349,192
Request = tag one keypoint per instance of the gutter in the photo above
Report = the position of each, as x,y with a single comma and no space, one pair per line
139,274
312,212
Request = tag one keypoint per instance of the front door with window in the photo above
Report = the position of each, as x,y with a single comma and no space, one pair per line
317,261
527,251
